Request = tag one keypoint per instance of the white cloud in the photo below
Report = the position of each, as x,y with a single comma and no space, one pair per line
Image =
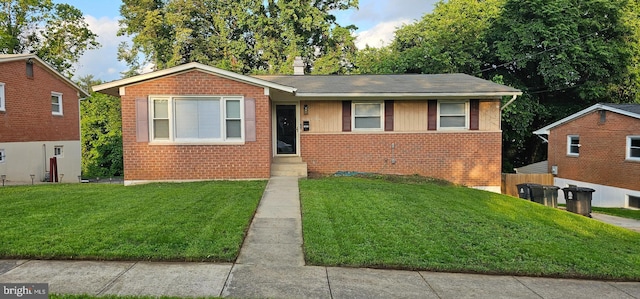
380,35
103,62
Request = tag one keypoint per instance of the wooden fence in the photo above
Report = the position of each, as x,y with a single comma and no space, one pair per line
510,180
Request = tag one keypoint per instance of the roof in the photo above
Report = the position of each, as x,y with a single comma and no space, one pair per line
631,110
539,167
17,57
431,85
440,85
113,88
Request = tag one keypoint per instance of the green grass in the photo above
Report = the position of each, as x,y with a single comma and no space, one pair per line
421,225
203,221
620,212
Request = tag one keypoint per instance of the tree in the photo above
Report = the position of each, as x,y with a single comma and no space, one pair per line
243,36
57,33
101,133
566,55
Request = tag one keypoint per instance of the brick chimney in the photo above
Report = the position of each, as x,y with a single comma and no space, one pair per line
298,66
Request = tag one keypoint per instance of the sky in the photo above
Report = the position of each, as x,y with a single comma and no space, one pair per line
376,21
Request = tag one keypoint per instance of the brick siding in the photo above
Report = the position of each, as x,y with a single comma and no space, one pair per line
143,161
602,152
27,115
467,158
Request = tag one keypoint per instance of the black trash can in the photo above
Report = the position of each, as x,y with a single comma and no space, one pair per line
578,200
550,196
530,191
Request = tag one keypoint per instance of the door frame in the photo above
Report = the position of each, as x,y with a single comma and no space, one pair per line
274,128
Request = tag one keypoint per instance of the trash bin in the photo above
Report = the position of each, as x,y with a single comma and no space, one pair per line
550,198
530,191
578,200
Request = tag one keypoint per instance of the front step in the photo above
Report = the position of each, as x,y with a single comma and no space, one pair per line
288,166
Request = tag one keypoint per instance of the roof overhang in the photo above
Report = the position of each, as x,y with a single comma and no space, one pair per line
113,88
475,95
49,68
596,107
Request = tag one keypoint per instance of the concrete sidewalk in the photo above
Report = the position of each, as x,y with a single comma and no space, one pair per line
271,265
627,223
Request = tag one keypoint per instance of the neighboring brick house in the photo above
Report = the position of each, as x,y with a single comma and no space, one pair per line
599,148
39,119
196,122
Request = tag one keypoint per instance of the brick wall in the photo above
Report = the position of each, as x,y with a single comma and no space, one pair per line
143,161
602,152
468,158
28,106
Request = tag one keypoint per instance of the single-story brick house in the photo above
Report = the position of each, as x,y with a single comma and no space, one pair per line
599,148
196,122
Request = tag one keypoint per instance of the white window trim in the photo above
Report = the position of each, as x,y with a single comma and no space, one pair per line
2,97
59,95
628,148
2,156
223,121
569,153
466,115
353,116
58,155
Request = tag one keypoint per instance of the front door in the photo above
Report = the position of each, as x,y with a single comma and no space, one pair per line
286,130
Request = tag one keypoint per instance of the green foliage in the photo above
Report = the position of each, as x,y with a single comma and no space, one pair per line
203,221
564,55
57,33
360,222
247,36
101,133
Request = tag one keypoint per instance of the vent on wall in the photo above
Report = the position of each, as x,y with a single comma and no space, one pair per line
30,68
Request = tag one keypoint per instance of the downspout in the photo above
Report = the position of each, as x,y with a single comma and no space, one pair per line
509,102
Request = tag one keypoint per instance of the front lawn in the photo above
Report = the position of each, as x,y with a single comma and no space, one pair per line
415,224
203,221
620,212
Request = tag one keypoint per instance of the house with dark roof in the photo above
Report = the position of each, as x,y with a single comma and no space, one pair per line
599,148
39,120
196,122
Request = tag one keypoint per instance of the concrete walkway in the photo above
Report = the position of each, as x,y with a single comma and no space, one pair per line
627,223
271,265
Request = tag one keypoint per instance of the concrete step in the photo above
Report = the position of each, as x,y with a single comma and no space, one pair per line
295,169
291,159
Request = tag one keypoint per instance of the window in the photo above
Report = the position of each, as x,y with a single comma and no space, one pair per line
573,145
2,97
634,201
56,103
196,119
633,148
57,151
368,116
2,159
453,115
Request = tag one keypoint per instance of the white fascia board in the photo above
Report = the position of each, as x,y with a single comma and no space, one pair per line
18,57
403,95
191,66
545,130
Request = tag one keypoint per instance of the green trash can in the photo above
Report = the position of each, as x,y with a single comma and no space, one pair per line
578,200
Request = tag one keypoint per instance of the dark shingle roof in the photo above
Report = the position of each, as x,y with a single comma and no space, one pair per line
390,84
633,108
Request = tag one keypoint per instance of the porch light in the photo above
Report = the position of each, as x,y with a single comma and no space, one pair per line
306,109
